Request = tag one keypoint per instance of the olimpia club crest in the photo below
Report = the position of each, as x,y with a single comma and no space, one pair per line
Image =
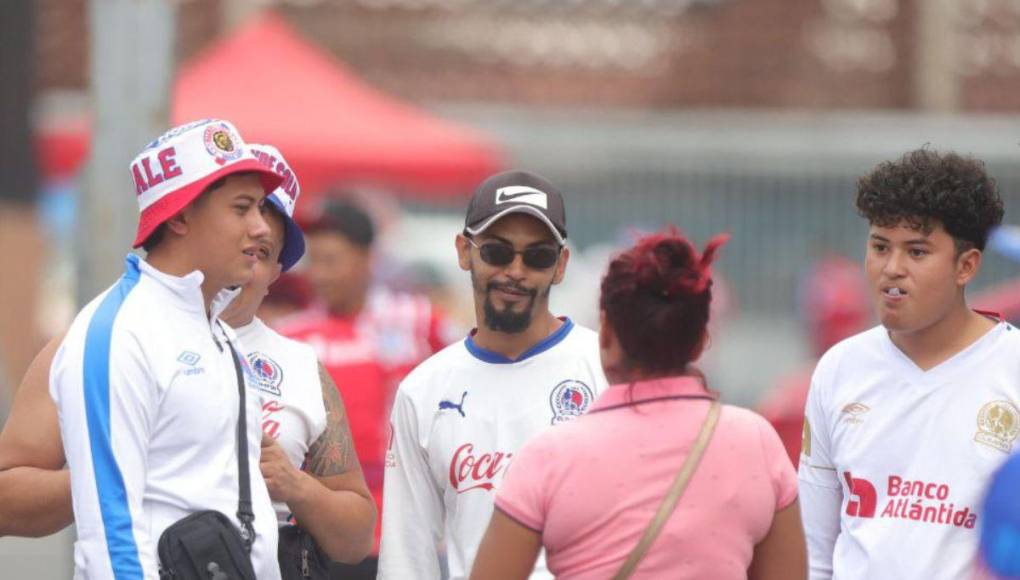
268,375
570,399
221,142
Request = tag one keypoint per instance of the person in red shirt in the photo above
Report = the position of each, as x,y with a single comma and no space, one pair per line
366,336
835,305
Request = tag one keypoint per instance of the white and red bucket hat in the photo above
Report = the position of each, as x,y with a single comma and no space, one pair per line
177,167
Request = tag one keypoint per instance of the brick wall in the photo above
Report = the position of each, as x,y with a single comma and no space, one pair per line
62,39
814,54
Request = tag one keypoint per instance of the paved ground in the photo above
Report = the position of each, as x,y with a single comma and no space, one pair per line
49,558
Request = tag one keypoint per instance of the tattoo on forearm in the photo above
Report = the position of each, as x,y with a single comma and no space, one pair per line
333,452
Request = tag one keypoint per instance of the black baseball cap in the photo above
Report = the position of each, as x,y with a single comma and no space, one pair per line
516,192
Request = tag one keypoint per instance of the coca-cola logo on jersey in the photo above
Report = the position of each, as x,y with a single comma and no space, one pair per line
271,423
469,470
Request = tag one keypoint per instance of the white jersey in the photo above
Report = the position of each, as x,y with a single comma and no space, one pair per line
457,421
287,374
895,460
146,392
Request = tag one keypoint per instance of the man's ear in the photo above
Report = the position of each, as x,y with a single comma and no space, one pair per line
179,223
967,266
463,252
561,265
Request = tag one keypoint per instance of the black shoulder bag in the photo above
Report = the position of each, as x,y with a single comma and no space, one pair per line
206,545
300,556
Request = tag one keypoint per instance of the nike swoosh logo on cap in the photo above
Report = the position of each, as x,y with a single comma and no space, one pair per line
522,194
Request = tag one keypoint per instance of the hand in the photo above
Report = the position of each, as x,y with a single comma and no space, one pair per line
285,482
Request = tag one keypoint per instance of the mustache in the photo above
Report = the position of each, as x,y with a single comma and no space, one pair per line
510,287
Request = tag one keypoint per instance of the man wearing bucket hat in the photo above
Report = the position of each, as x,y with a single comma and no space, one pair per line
308,457
301,418
460,416
146,383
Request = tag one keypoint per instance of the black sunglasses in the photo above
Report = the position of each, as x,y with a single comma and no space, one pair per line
500,254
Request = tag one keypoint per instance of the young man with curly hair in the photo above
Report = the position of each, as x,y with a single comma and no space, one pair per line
906,422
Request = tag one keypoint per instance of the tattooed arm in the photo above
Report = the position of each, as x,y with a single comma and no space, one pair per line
330,498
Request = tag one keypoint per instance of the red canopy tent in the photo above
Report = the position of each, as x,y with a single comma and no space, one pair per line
333,129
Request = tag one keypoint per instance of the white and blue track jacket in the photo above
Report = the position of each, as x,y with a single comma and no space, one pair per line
146,390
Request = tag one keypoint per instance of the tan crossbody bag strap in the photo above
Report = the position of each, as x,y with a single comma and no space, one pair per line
673,497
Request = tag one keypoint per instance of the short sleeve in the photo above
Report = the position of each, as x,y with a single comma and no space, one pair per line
523,495
777,461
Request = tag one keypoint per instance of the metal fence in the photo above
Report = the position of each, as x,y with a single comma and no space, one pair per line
783,186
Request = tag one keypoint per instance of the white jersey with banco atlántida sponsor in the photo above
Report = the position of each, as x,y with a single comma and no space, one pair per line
895,459
286,373
457,421
147,395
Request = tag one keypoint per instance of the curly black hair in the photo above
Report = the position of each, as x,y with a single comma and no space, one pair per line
925,188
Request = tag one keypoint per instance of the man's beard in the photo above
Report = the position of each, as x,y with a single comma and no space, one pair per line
508,320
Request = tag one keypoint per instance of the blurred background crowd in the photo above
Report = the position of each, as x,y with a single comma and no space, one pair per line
753,117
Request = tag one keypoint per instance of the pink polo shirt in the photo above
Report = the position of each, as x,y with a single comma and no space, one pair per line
591,486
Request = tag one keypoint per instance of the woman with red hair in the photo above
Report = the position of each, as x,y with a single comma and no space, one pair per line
658,480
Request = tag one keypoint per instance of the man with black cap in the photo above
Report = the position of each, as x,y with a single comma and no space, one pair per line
461,415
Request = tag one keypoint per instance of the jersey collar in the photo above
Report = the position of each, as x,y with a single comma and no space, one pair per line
186,290
545,344
661,389
250,329
953,362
